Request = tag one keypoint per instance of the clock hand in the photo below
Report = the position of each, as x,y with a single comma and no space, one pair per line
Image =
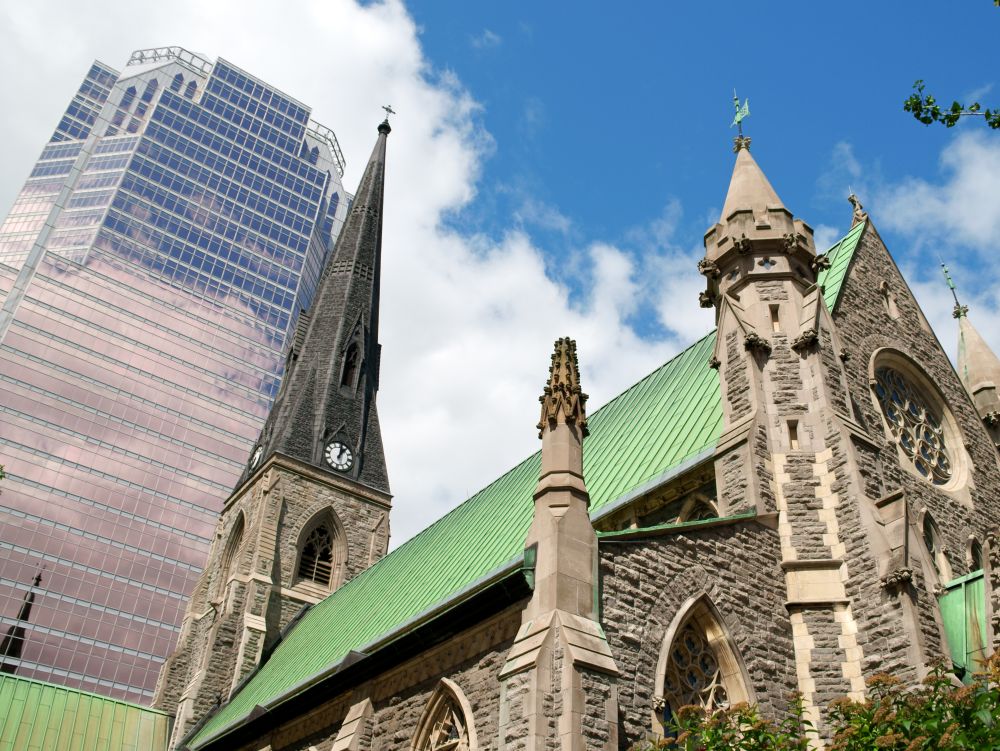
340,456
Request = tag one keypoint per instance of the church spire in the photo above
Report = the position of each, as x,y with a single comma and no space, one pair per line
978,366
325,413
749,188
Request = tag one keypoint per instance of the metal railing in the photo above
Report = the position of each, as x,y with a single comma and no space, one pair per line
193,62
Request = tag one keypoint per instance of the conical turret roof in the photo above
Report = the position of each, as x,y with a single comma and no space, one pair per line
748,188
978,367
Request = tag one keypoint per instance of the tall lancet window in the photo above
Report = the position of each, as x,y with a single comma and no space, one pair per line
698,665
322,552
446,724
349,377
230,559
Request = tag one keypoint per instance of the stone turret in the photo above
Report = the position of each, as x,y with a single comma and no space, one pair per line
979,369
560,649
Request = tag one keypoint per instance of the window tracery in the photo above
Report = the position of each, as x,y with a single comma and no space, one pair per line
698,666
447,722
915,423
316,561
932,541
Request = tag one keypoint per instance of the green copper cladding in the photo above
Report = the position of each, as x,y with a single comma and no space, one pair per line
742,113
669,418
43,716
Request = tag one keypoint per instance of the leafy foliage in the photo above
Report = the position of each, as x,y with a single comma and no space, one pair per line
926,109
935,715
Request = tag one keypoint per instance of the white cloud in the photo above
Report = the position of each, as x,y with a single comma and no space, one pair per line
467,321
963,208
488,39
825,236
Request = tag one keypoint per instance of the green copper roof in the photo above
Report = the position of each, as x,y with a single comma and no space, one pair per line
45,717
669,418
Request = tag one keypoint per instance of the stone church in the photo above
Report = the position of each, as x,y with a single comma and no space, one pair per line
806,496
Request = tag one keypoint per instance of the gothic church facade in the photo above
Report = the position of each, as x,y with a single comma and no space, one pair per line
803,498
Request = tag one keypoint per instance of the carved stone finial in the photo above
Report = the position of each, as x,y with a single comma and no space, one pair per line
859,211
959,311
714,363
790,240
741,142
706,299
991,419
805,340
820,262
743,244
897,579
708,268
754,341
562,395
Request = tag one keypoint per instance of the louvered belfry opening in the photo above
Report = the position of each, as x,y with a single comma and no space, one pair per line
316,563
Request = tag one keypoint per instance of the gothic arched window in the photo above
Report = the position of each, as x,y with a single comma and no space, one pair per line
230,560
698,665
447,723
935,548
128,97
351,361
190,89
976,558
322,552
175,85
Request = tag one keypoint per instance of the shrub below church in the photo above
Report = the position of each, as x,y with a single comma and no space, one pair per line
934,715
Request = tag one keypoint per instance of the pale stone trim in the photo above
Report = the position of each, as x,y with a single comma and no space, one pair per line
349,737
446,690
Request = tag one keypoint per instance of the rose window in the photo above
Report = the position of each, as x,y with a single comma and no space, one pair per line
693,675
914,424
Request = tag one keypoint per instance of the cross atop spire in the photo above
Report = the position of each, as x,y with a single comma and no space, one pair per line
959,311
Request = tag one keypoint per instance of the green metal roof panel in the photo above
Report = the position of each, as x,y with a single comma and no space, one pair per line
670,416
840,255
39,716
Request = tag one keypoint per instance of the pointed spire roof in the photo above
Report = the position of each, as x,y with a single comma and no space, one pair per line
748,187
979,368
331,378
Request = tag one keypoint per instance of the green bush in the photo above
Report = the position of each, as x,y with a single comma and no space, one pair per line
934,715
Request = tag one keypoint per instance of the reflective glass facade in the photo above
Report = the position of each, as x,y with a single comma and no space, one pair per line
151,272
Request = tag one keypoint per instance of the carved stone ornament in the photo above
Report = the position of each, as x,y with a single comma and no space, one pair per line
898,579
754,341
820,262
714,363
659,704
706,299
743,244
805,340
562,397
790,240
708,268
844,355
991,419
858,213
960,311
741,142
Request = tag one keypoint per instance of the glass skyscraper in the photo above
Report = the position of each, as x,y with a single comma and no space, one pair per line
151,274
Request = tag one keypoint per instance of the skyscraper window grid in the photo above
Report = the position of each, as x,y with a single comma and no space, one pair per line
187,210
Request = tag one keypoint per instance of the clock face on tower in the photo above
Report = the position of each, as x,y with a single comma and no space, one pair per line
338,456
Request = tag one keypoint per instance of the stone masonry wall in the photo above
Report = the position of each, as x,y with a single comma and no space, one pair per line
644,585
864,325
472,659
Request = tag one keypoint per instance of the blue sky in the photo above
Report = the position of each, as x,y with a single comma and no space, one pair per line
608,116
553,167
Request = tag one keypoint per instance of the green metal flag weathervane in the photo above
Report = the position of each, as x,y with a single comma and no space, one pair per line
741,112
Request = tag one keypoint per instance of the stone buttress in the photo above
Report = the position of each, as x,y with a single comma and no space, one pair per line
789,437
311,510
559,684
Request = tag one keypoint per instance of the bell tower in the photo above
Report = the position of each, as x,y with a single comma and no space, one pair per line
311,509
787,445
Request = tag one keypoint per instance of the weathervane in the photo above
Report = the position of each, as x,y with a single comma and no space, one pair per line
741,141
959,310
388,111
